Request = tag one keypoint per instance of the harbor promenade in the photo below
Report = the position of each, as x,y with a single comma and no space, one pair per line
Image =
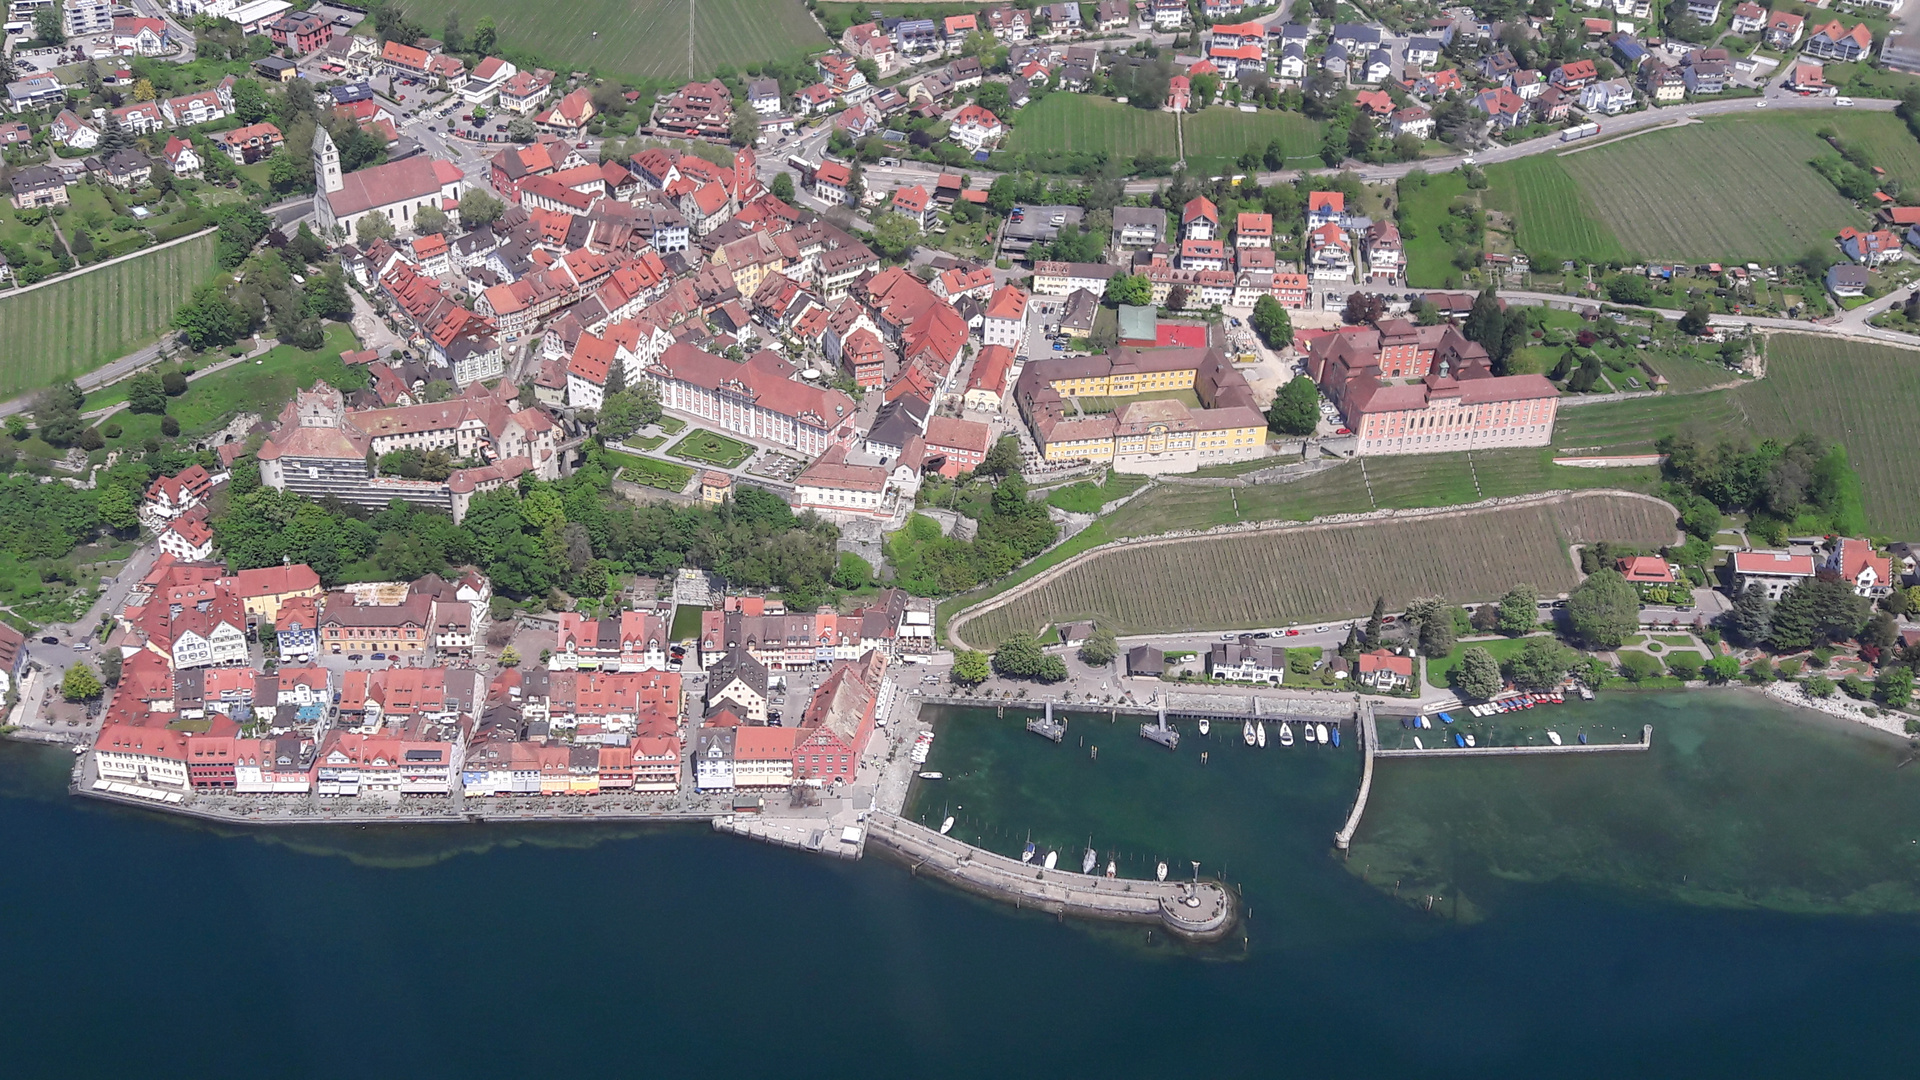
1197,911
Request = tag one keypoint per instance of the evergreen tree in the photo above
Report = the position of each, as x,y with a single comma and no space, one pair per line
1749,621
1377,621
1478,674
1437,633
1816,611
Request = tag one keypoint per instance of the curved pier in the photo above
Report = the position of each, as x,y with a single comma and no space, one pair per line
1197,911
1369,738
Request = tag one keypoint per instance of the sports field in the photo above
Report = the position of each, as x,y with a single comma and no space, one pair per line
638,38
1861,395
1731,188
1268,579
59,330
1214,137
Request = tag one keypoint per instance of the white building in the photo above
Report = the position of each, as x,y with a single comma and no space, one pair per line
85,18
713,759
398,189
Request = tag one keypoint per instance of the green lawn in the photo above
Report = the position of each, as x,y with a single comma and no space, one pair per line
644,39
670,425
651,472
73,325
1501,649
686,622
1214,137
1423,211
1087,497
1731,188
709,448
261,385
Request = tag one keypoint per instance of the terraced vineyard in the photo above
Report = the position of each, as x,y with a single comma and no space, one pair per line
1321,571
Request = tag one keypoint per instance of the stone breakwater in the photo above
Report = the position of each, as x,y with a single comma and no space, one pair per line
1195,910
1839,705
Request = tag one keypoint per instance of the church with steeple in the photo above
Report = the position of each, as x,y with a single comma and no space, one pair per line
398,189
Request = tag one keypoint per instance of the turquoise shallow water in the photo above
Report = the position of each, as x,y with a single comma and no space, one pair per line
1735,903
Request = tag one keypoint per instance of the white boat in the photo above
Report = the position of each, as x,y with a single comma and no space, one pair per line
1246,732
1160,871
1553,737
1026,856
947,825
1206,726
1111,868
1260,735
1469,738
1320,733
1052,857
933,776
1417,744
1089,862
1306,732
1286,734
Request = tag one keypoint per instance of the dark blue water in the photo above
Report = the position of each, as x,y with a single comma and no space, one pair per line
135,945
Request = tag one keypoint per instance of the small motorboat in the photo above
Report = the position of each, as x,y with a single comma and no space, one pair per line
1583,738
1052,858
1447,717
1553,737
933,776
1417,744
1089,861
1458,740
1206,726
1320,730
1336,735
1246,732
1306,732
1111,868
1286,734
1160,871
1027,855
947,825
1260,735
1469,738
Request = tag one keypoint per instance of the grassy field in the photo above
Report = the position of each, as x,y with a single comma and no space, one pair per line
651,472
1422,212
60,330
686,622
212,400
1730,188
1502,649
711,449
1325,571
639,38
1214,137
1087,497
1858,394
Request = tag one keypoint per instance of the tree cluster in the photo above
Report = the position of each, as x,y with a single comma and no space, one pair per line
1020,657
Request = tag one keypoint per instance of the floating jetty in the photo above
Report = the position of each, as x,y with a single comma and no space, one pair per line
1160,733
1203,910
1645,742
1047,727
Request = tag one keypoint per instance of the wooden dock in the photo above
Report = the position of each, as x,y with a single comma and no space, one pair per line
1198,911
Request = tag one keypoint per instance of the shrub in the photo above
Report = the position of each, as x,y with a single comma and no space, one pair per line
169,426
111,431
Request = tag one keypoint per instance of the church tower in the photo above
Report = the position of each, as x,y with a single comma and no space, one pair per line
326,162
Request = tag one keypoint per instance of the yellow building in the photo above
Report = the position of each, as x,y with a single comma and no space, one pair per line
1152,436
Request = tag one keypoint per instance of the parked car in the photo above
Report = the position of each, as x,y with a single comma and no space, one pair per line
379,656
49,640
1293,633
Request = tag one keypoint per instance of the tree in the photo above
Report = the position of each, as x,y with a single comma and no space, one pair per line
146,394
1895,686
479,207
1750,620
451,35
1519,611
118,510
995,98
372,227
782,188
1296,408
1723,668
1604,609
1816,611
485,35
1133,290
894,236
1881,631
1819,686
1437,632
1272,323
856,186
143,91
509,657
80,684
1695,321
169,426
1477,675
970,668
1541,664
1002,460
1362,309
48,27
392,24
745,129
430,221
211,319
1100,648
1629,289
521,129
110,662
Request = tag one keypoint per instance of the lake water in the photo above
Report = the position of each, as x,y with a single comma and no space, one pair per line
1738,902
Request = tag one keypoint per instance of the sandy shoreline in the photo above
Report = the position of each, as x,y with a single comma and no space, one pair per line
1838,705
